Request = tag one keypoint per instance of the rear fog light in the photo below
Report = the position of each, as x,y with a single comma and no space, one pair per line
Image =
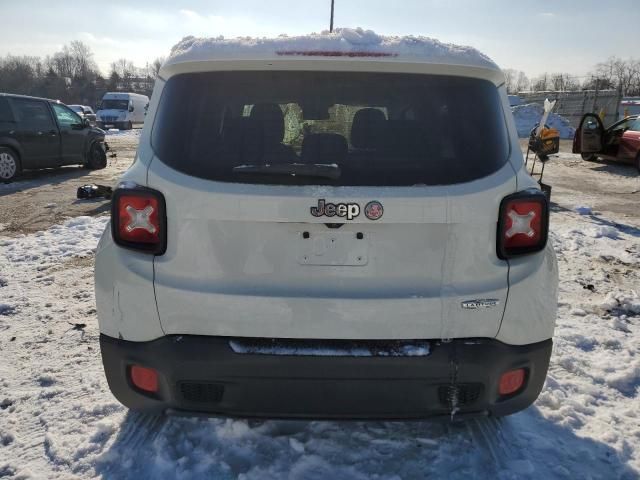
511,381
144,378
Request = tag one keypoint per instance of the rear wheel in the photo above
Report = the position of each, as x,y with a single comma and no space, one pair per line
9,164
96,158
589,157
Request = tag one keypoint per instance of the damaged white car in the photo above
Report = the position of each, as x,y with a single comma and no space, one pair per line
329,226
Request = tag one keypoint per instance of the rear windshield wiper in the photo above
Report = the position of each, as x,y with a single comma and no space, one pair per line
324,170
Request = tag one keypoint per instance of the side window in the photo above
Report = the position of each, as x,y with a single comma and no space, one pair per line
622,125
66,117
32,114
6,116
591,123
635,126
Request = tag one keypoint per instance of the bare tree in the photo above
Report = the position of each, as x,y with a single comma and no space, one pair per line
82,56
541,84
17,74
63,64
515,81
596,82
125,71
156,65
564,82
522,83
509,79
623,75
72,76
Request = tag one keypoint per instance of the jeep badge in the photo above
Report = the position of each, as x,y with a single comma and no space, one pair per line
349,210
373,210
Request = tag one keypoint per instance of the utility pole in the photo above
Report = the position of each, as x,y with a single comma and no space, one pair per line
331,21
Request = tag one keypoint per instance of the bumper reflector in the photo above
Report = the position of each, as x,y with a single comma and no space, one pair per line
511,381
144,378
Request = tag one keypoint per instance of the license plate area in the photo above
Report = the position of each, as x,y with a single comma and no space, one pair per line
333,248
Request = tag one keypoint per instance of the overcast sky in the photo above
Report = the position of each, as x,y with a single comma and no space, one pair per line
531,35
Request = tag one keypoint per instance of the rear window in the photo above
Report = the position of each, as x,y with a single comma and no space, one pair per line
331,128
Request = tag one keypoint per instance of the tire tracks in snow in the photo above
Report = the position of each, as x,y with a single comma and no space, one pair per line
139,429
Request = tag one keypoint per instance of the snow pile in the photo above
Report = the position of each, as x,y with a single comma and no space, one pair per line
42,252
529,115
514,100
598,347
342,40
622,303
604,231
75,237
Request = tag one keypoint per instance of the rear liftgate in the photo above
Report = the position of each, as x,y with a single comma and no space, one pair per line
276,262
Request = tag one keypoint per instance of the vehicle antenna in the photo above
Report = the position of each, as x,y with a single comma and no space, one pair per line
331,22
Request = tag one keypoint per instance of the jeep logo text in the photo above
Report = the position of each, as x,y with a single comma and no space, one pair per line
349,210
373,210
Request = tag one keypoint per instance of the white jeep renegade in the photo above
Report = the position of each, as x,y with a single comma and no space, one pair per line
330,226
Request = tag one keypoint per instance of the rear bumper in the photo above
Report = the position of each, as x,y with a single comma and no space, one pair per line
199,374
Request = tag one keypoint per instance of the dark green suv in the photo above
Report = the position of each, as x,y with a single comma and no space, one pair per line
42,133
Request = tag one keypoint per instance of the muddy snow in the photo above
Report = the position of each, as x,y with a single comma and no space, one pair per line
59,420
42,198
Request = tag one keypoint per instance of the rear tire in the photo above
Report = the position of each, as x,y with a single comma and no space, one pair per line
96,158
9,165
589,157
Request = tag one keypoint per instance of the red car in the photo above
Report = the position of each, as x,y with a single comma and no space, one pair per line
621,141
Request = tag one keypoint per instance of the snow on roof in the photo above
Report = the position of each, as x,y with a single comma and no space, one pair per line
343,42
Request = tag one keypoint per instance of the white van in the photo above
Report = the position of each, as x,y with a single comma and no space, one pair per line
629,107
122,110
331,226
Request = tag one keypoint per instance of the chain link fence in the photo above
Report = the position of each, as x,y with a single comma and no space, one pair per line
573,105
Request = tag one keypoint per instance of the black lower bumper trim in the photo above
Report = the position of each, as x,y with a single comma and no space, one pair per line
203,375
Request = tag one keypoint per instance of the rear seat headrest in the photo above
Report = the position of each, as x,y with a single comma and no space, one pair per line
367,128
271,119
324,148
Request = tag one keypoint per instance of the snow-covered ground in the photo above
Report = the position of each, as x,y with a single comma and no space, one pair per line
59,420
529,115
